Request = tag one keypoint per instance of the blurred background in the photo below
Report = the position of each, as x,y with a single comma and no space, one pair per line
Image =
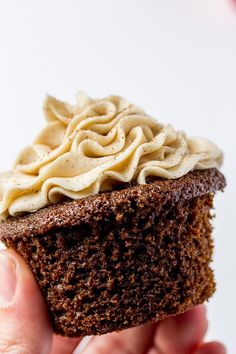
177,59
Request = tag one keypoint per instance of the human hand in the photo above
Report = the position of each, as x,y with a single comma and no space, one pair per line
25,327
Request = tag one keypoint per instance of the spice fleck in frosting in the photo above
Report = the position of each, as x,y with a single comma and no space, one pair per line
93,145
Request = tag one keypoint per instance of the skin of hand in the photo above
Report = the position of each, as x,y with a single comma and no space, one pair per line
25,327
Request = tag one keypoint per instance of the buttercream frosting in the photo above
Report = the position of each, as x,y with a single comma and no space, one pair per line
93,145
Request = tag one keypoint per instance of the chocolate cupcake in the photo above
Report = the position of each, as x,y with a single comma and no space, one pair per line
111,210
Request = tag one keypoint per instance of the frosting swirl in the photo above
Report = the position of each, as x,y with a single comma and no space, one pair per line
91,146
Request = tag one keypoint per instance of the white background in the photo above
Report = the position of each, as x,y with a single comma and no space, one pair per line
177,59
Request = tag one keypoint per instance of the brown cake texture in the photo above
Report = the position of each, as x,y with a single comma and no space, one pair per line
121,258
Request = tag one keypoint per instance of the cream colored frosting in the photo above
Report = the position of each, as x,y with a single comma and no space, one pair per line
90,146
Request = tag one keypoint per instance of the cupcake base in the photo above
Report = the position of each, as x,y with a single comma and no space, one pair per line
121,258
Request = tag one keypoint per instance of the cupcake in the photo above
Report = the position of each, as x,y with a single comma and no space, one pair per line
111,210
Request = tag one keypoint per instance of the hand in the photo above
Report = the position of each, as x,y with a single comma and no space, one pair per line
25,327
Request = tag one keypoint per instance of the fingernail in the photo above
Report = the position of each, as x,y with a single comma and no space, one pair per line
83,344
8,278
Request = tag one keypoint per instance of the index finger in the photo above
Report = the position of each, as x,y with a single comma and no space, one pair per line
134,341
63,345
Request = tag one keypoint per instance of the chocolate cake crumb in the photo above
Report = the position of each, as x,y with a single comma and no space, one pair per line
122,258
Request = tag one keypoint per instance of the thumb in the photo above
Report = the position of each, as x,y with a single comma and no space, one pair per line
24,323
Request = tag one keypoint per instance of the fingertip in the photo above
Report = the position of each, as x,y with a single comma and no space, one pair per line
212,348
186,331
23,319
62,345
200,309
